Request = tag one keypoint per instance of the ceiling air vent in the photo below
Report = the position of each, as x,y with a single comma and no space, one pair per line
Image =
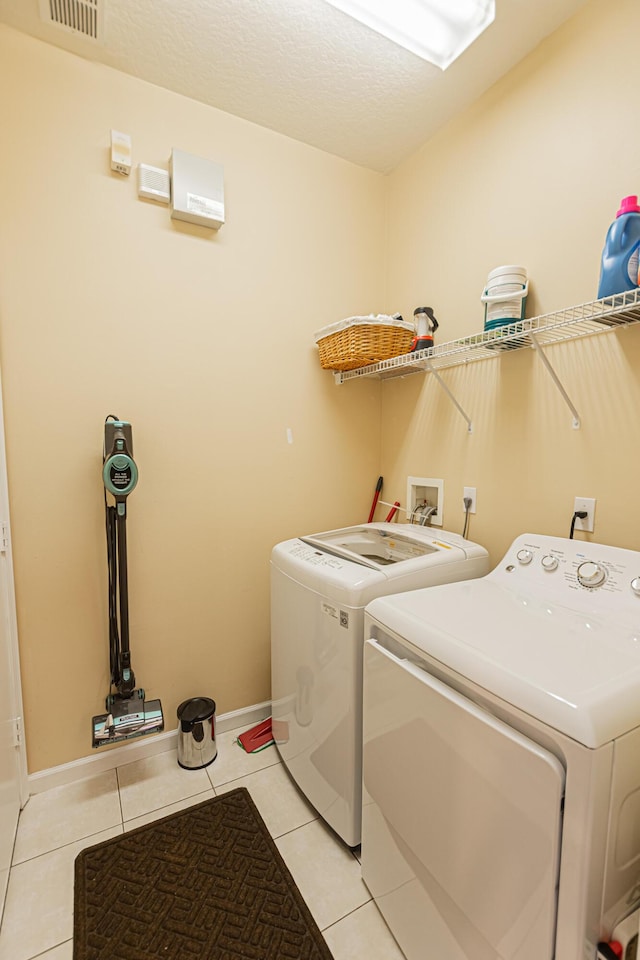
81,17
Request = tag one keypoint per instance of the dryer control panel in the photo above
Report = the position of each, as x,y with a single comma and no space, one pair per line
562,569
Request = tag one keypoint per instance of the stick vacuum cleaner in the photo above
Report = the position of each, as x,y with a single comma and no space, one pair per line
128,714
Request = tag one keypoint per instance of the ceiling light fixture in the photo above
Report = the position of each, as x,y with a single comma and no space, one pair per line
436,30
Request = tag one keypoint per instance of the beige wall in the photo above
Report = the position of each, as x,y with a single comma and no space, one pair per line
106,306
532,174
204,342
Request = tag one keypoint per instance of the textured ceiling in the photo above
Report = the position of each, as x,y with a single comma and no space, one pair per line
301,67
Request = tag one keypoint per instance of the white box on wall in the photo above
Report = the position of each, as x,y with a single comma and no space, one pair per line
197,190
154,183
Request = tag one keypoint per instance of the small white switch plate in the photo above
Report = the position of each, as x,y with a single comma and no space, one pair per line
588,504
470,494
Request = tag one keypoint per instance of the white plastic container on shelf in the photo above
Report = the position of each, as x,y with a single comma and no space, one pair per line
505,296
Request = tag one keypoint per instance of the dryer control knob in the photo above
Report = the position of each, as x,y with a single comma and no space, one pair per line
549,562
591,574
524,556
635,586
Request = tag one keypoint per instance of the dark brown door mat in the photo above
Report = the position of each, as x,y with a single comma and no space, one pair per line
207,883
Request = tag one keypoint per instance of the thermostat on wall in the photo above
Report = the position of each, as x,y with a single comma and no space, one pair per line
121,152
197,190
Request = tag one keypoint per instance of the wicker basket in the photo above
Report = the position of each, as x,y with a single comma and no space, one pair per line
359,341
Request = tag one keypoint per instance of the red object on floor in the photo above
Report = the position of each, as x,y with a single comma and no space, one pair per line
257,738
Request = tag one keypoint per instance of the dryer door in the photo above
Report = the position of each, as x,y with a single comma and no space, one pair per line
461,821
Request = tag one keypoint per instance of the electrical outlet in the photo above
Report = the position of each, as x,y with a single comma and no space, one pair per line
469,493
585,503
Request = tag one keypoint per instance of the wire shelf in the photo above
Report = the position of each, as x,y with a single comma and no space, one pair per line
586,319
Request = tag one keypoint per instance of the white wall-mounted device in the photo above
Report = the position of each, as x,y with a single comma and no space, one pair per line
469,493
425,500
121,152
154,183
197,190
587,504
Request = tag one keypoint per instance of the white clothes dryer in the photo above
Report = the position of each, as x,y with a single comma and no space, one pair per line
320,586
501,762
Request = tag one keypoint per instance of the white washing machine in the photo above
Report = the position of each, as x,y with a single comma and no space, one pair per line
501,762
319,588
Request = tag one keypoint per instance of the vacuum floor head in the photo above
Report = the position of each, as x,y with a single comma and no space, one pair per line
127,719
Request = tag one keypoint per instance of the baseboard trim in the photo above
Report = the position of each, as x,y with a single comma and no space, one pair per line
136,750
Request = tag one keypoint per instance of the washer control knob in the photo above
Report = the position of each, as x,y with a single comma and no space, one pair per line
591,574
635,586
524,556
549,562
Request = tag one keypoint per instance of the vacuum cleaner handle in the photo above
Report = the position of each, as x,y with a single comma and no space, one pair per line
119,470
120,476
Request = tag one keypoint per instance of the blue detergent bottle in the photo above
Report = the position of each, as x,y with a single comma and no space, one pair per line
619,271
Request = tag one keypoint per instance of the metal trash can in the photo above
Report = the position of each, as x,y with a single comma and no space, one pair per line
197,733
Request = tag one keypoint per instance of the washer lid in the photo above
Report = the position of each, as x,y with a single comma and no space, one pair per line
380,545
576,671
342,563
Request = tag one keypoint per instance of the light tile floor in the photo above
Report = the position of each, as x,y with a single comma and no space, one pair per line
56,825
